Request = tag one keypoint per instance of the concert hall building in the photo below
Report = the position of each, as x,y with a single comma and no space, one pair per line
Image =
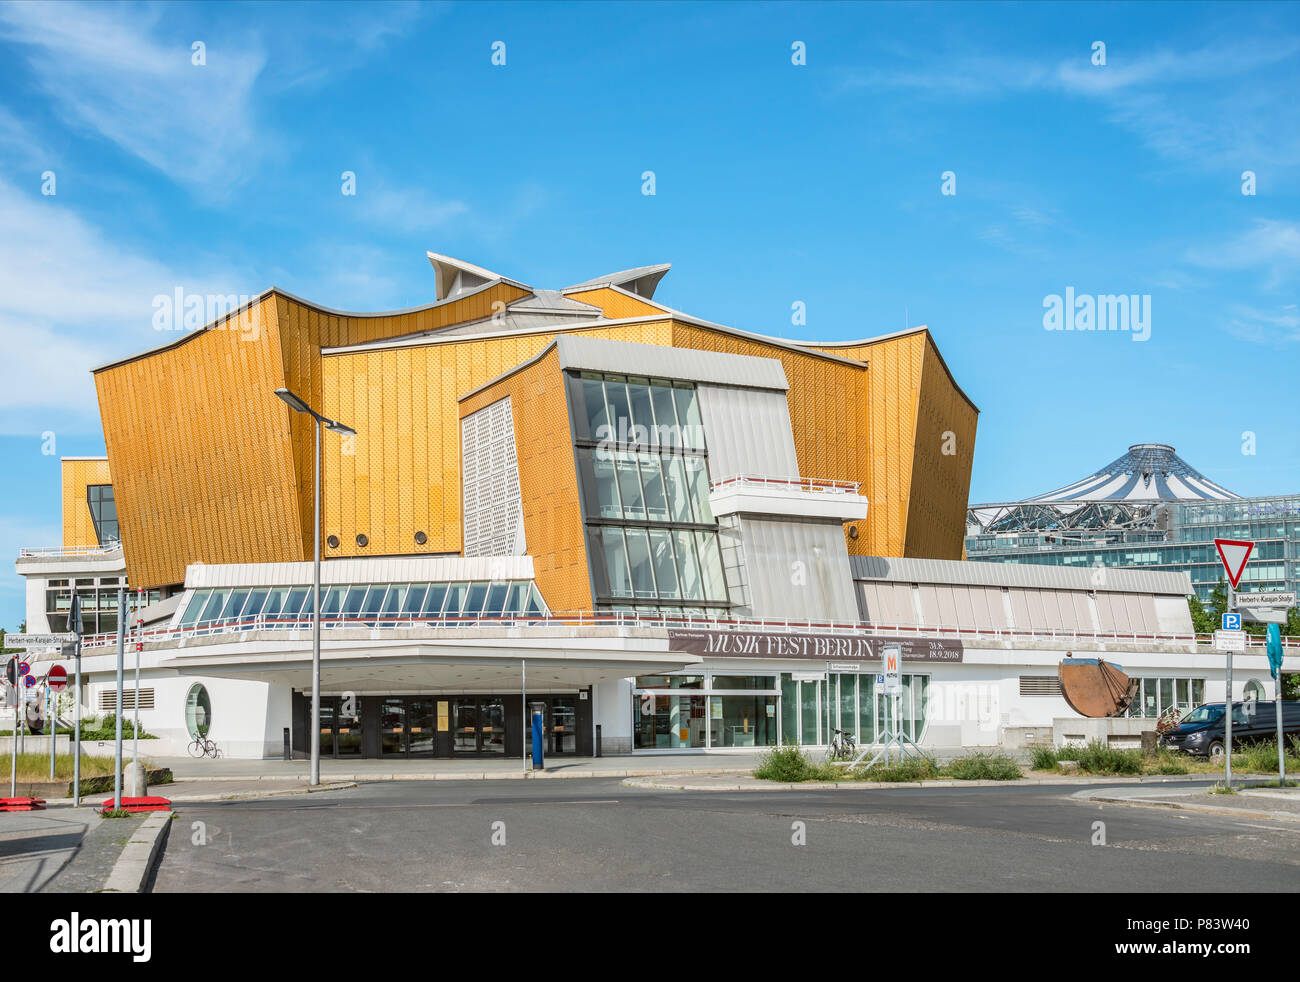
670,534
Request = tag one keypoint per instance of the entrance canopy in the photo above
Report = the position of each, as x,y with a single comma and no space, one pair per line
418,666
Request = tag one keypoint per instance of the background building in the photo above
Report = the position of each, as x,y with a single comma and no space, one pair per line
1147,509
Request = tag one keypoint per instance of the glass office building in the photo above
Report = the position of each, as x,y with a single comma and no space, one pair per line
1182,541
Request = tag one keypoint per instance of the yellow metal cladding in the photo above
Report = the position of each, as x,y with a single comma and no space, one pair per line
401,474
916,490
78,526
209,464
548,480
614,304
941,464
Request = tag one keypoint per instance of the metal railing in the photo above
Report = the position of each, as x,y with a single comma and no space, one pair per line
629,620
811,484
27,552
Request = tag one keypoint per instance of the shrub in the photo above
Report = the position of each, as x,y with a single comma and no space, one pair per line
1068,752
984,767
1164,761
106,729
911,769
1044,759
787,764
1098,758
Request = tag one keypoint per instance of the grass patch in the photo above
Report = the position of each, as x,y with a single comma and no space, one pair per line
1222,789
983,767
911,769
785,764
36,767
1043,759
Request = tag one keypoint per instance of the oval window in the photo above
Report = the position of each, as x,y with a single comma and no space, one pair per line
198,712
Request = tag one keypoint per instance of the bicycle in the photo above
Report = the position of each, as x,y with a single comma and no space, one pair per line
203,747
842,749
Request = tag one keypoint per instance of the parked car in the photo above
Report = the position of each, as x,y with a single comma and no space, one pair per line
1203,731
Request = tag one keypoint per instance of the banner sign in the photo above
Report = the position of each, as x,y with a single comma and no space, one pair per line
819,647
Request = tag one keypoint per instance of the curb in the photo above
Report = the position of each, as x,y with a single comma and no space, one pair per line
887,785
241,795
131,871
1221,810
468,776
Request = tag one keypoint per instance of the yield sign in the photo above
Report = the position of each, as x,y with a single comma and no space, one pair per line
1233,554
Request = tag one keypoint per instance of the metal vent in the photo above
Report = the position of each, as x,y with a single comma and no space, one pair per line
108,700
1040,685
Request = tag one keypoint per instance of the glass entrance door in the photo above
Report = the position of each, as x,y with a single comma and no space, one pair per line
479,725
347,729
563,725
392,727
421,726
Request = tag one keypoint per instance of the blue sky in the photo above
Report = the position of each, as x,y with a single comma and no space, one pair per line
775,183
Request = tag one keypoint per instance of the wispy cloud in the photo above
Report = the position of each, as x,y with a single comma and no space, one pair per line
70,298
1277,326
111,69
1270,246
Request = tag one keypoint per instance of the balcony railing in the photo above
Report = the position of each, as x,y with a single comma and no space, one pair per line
60,552
623,619
810,484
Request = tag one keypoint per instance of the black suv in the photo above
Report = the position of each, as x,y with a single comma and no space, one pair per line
1201,732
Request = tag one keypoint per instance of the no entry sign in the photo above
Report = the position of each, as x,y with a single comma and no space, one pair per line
58,677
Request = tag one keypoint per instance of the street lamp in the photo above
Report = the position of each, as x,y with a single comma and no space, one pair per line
297,405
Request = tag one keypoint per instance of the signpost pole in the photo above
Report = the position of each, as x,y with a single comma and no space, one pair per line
523,702
135,722
76,726
1281,747
52,720
13,747
117,736
1227,725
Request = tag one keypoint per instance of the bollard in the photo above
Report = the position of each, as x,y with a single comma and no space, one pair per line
598,740
288,750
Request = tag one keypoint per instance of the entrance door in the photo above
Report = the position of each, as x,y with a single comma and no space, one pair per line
421,726
563,726
392,727
479,725
347,729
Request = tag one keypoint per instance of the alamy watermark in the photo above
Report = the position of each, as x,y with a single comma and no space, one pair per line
1104,312
181,311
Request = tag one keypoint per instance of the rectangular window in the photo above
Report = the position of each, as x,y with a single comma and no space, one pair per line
666,431
629,485
808,713
665,564
597,414
638,560
455,599
413,602
697,475
474,600
690,584
620,412
677,487
715,584
688,415
643,422
652,483
789,710
615,550
432,605
605,482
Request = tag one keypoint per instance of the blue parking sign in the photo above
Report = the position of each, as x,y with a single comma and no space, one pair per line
1232,622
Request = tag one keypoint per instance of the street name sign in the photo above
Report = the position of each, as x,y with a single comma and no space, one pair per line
1233,553
1277,599
1229,640
37,640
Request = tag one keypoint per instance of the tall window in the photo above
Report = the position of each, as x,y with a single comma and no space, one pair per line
103,512
645,493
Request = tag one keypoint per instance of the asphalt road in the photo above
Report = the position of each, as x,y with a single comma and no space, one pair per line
597,835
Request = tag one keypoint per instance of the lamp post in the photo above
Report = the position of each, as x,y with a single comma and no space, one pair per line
297,405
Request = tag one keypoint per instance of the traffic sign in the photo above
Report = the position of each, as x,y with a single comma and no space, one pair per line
891,664
58,677
24,668
29,680
11,671
1231,622
1229,640
1233,553
1275,599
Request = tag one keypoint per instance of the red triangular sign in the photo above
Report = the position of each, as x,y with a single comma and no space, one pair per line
1233,553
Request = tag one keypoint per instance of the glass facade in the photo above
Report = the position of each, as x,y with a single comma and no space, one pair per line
701,712
643,469
368,604
1273,524
812,710
1155,695
98,597
684,712
103,512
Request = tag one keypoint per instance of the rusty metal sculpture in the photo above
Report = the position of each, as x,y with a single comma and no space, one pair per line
1096,688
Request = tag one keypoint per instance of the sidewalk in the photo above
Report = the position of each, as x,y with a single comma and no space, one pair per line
187,770
1276,804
